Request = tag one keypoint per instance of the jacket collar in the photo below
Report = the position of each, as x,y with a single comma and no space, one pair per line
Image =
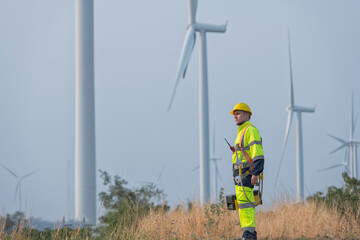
244,125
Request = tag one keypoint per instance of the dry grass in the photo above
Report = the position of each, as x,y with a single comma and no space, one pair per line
310,221
199,223
282,221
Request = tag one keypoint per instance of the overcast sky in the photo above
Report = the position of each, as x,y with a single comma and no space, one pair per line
137,49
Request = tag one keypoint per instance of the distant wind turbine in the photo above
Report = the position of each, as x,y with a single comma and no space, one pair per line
85,170
350,161
299,148
157,179
186,52
18,185
217,175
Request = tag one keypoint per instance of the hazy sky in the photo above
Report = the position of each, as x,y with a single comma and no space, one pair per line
137,49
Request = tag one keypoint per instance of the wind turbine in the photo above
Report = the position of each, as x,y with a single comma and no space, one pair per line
351,144
18,185
299,147
186,52
157,179
85,171
217,175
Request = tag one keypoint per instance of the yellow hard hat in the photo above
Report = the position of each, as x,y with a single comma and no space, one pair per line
241,107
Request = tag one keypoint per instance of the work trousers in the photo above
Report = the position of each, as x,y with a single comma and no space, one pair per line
246,209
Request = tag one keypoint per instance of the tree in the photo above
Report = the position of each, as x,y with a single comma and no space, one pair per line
125,206
14,221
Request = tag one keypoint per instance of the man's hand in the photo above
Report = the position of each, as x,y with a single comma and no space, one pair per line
232,149
254,179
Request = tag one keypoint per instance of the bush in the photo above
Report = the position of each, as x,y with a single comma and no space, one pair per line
345,199
125,206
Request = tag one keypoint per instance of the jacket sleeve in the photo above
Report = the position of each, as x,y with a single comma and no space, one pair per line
258,167
256,151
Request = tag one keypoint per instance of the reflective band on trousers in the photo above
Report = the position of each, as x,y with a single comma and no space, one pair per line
250,229
246,205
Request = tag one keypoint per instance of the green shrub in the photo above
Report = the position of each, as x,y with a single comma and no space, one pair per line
345,199
125,206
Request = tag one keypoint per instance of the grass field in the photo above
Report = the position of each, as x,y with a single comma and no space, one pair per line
284,220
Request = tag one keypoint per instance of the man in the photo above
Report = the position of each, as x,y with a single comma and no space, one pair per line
248,163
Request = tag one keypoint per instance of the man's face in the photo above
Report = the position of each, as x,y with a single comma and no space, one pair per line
240,117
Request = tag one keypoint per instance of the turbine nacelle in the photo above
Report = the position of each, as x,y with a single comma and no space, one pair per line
209,27
215,158
303,109
295,108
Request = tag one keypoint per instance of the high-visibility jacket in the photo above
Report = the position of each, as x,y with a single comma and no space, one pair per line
252,144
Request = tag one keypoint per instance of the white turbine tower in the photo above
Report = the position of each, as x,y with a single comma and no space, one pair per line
351,144
18,185
187,49
85,175
217,175
299,148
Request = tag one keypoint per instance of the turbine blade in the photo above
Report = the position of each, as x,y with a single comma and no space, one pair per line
11,172
196,168
346,156
335,166
16,190
285,141
338,139
291,75
214,141
337,149
192,7
184,59
192,48
352,116
218,173
162,170
29,174
346,160
355,122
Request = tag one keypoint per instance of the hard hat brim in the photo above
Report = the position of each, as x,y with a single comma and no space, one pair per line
232,112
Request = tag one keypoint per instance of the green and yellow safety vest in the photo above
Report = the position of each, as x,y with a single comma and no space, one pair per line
251,145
